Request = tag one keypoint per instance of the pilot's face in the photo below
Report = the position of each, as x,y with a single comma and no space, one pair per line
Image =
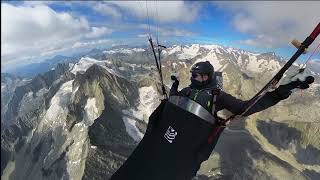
199,78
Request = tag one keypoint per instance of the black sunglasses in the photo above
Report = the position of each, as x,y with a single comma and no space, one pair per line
194,75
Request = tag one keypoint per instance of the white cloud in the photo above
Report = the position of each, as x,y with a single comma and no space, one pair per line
314,61
90,43
143,35
36,3
260,41
161,11
166,31
33,30
98,32
273,23
107,10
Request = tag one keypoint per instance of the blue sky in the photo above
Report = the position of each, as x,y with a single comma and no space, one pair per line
36,30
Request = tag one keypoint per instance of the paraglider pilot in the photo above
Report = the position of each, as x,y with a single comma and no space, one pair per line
176,141
203,89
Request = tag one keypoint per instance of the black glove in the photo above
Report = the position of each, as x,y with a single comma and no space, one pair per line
175,82
284,91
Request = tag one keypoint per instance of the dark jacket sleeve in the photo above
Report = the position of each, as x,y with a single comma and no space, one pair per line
229,102
173,90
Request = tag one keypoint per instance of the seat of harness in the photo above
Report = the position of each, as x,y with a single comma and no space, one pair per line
192,107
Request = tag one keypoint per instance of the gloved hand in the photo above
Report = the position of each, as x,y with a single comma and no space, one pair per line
284,91
175,82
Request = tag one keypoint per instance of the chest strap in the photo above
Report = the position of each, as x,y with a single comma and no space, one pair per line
192,107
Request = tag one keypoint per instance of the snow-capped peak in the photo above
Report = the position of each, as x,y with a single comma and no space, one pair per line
86,62
124,51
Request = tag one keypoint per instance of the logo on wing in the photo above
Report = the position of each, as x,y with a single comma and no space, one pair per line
170,134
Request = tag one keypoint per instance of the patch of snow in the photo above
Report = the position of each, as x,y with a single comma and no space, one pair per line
87,62
76,162
138,50
70,66
80,124
148,100
123,51
116,97
164,53
41,92
296,64
133,66
113,72
58,108
74,93
273,65
183,63
212,58
223,67
91,112
174,65
234,54
239,61
84,64
211,47
76,151
108,62
174,50
189,52
132,129
314,86
25,79
184,56
30,135
186,52
253,64
229,50
127,112
122,68
218,51
93,147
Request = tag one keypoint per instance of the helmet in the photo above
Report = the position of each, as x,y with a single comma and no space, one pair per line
203,68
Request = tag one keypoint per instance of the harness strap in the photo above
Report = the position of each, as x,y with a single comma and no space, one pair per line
216,130
215,93
217,127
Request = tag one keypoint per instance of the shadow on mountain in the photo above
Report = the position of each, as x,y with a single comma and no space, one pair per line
313,175
282,136
278,134
113,144
246,76
310,155
239,150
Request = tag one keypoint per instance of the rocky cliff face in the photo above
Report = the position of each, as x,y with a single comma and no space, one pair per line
82,120
9,82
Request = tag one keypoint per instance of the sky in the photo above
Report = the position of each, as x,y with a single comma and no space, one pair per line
32,31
